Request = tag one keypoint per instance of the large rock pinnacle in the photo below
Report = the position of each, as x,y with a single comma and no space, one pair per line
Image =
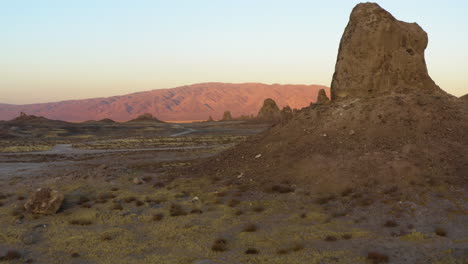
269,111
380,55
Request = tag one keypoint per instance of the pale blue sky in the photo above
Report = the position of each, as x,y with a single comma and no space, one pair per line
63,49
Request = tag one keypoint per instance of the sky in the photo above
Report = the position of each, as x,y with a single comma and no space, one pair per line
60,50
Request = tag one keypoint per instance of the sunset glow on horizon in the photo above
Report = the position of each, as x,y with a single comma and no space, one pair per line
61,50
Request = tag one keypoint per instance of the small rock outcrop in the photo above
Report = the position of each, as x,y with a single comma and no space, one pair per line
227,116
44,201
269,111
322,97
286,113
380,55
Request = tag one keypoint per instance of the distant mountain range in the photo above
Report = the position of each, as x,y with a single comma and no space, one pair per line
185,103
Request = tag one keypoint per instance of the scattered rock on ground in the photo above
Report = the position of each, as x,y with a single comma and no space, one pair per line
44,201
138,180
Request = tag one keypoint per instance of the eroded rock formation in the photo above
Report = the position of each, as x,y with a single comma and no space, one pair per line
380,55
322,97
269,111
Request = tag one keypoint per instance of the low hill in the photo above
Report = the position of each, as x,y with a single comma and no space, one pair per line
145,118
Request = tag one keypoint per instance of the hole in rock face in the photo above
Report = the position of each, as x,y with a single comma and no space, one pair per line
410,51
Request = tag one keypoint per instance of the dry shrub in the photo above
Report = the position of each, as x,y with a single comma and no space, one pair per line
221,194
17,213
176,210
347,191
258,209
196,211
157,217
219,245
81,222
147,178
391,190
129,199
365,202
391,223
10,255
282,189
251,251
346,236
159,185
376,257
106,196
325,199
106,237
233,203
83,200
294,248
250,228
440,231
239,212
117,206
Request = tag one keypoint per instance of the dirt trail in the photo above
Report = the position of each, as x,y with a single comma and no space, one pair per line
188,131
67,149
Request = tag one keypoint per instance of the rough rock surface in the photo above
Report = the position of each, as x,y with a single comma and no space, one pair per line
380,55
322,97
44,201
464,97
269,111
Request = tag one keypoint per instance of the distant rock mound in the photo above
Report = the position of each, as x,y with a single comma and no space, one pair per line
380,55
145,118
107,121
24,118
269,112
